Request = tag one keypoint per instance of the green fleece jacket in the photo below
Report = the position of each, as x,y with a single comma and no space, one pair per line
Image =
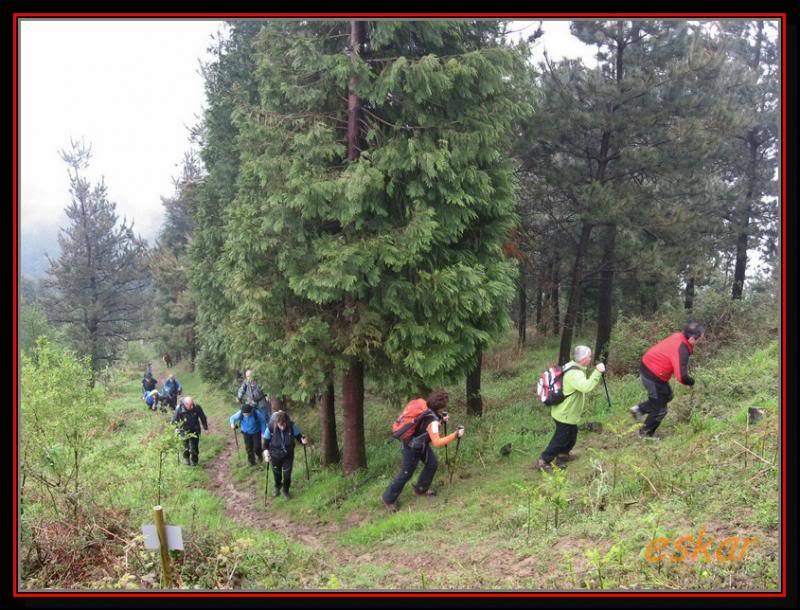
576,385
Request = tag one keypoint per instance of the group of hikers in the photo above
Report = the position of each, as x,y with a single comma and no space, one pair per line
270,436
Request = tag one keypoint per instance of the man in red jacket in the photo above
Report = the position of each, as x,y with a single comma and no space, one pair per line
660,362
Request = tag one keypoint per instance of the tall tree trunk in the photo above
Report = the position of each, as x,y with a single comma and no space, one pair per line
740,270
605,297
555,311
538,307
474,400
523,307
688,294
574,295
327,423
355,454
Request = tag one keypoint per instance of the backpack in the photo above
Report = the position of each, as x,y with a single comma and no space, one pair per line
550,388
406,423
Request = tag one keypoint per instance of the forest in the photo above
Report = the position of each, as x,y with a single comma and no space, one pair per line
372,211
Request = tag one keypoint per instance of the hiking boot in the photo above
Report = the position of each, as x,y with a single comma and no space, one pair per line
286,494
561,463
277,492
543,466
648,437
185,461
429,492
566,457
390,506
636,413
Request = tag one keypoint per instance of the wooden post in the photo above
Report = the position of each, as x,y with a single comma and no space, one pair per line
161,528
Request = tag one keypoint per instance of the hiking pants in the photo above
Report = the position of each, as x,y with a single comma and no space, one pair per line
191,449
659,393
282,470
412,457
252,444
562,442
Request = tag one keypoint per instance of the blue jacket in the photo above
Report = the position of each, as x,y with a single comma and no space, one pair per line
150,398
254,424
171,387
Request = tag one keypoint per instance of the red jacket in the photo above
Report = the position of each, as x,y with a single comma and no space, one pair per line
669,356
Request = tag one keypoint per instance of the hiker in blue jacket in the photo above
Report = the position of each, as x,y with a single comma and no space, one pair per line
152,399
279,438
252,425
170,391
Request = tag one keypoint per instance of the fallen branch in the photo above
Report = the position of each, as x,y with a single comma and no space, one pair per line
755,454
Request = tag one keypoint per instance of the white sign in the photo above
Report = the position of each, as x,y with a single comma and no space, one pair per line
174,537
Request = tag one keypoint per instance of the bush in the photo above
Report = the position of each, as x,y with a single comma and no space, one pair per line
742,322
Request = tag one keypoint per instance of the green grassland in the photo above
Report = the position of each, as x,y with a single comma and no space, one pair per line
495,524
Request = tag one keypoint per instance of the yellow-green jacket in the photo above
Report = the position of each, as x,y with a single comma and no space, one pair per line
575,386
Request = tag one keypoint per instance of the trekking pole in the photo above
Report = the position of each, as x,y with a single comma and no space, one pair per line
266,483
446,459
608,398
236,438
455,458
305,455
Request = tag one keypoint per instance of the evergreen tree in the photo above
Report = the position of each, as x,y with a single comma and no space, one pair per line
99,281
392,260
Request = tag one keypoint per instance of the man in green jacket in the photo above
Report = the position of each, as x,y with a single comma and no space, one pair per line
567,414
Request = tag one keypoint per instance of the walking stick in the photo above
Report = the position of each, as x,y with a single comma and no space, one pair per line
305,455
608,398
266,483
236,438
446,458
455,459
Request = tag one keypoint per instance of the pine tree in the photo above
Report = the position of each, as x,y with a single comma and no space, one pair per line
390,263
99,280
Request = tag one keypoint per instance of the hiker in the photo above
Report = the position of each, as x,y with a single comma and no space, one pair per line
152,399
251,393
188,417
667,357
421,432
171,389
148,382
567,413
252,425
279,438
167,359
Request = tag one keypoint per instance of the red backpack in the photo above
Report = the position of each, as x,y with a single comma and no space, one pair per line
550,387
406,423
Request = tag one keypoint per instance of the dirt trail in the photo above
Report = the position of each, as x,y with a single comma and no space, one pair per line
244,501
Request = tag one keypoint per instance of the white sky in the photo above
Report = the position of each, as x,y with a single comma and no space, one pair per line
132,88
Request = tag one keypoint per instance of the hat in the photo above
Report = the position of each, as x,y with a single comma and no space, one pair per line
247,409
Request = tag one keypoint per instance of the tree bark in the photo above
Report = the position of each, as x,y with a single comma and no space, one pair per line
539,308
574,295
688,294
523,307
474,400
355,454
555,311
606,296
329,450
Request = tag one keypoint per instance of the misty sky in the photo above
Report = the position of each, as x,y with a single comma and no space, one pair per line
133,89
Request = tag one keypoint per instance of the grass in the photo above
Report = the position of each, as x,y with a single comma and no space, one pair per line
494,525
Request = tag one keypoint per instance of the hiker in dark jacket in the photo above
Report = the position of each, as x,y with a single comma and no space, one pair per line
279,438
667,357
252,425
250,393
187,418
418,449
148,383
170,391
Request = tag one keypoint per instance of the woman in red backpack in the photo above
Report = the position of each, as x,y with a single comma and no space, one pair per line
418,449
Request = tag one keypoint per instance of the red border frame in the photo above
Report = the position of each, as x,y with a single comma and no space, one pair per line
315,594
